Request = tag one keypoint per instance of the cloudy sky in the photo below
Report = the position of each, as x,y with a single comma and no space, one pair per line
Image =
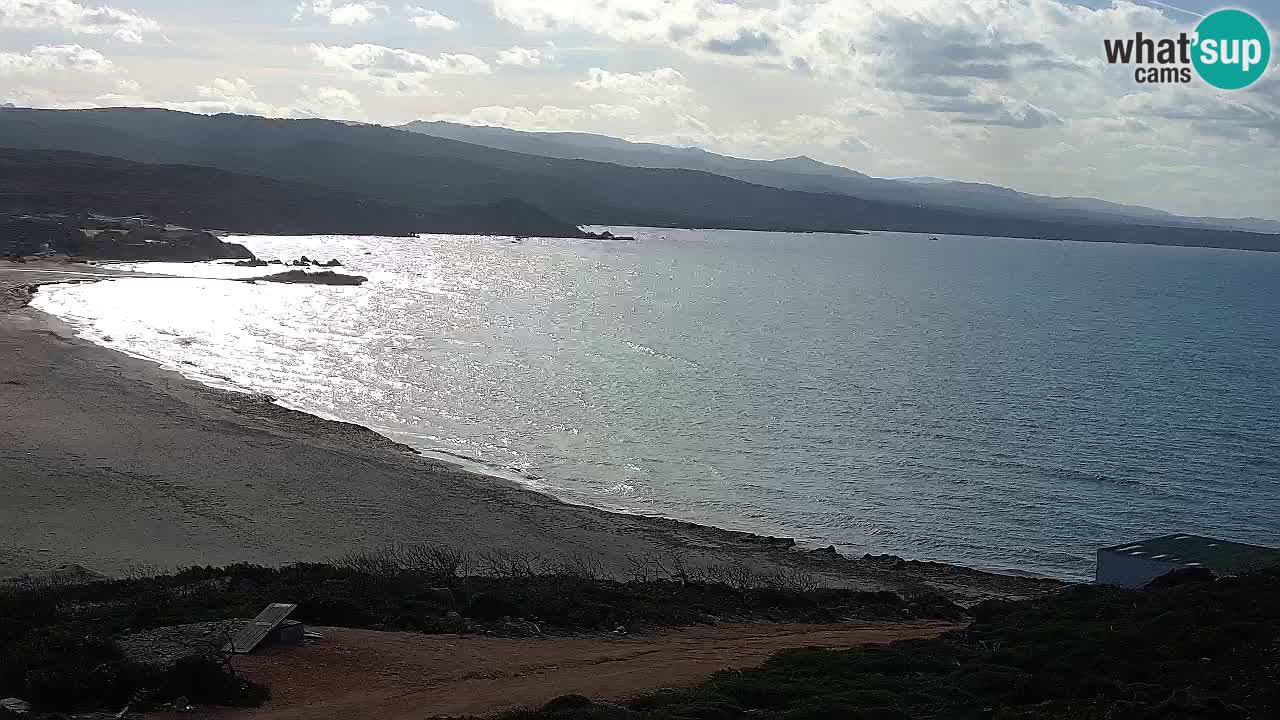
1013,92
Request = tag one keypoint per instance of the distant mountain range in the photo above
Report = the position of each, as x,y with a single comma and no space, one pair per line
330,175
49,182
807,174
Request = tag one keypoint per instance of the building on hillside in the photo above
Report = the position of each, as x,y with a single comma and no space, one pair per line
1137,563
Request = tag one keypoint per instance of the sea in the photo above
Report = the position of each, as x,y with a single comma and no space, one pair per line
1001,403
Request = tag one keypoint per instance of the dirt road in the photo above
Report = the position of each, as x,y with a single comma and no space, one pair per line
404,676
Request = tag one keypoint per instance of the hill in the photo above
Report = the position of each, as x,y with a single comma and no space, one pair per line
428,174
43,182
807,174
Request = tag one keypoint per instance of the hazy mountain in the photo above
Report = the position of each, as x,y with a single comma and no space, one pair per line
807,174
429,174
923,180
40,182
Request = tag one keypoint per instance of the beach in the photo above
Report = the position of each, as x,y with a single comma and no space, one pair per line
114,464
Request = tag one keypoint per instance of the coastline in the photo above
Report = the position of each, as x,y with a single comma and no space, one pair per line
115,463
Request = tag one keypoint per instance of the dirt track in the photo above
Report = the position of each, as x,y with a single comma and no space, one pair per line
404,676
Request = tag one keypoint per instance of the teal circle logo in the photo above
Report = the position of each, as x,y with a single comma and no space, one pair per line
1233,49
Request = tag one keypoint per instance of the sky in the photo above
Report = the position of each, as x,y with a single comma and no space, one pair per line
1010,92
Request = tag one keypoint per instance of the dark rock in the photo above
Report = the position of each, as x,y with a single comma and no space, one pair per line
567,702
250,263
453,623
300,277
151,243
828,551
275,262
332,263
15,707
1185,576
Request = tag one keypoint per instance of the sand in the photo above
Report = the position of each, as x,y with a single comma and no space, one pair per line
120,466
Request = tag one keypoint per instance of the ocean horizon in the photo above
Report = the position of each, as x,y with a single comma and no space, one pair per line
999,403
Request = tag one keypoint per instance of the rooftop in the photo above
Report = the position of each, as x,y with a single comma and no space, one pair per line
1195,551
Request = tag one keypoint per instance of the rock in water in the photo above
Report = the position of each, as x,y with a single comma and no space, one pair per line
301,277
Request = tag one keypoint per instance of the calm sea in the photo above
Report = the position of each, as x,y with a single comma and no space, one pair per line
1007,404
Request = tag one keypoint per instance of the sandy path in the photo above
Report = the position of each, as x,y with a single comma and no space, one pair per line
403,676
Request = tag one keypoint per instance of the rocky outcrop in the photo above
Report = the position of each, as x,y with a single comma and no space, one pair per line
126,239
302,277
305,261
606,235
159,244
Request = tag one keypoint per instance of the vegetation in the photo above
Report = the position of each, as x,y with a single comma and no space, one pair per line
58,644
1187,648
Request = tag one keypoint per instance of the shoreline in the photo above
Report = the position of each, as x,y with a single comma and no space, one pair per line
129,464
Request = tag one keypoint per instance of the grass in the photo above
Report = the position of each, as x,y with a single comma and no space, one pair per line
1199,649
58,648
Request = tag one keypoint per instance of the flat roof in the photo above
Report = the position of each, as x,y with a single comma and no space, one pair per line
1196,551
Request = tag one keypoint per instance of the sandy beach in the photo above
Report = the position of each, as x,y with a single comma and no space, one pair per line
117,465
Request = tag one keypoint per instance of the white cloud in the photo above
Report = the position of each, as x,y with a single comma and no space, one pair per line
239,96
520,57
71,16
355,13
425,19
222,89
546,117
351,13
395,71
328,102
663,86
55,58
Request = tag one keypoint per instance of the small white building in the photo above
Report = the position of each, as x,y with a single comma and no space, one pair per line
1138,563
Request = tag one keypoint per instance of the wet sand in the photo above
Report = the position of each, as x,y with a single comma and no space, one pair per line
118,465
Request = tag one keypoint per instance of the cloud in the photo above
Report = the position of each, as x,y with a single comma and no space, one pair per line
239,96
1044,54
355,13
744,43
328,102
425,19
1231,115
520,57
71,16
351,13
546,117
55,58
1010,112
392,70
663,86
